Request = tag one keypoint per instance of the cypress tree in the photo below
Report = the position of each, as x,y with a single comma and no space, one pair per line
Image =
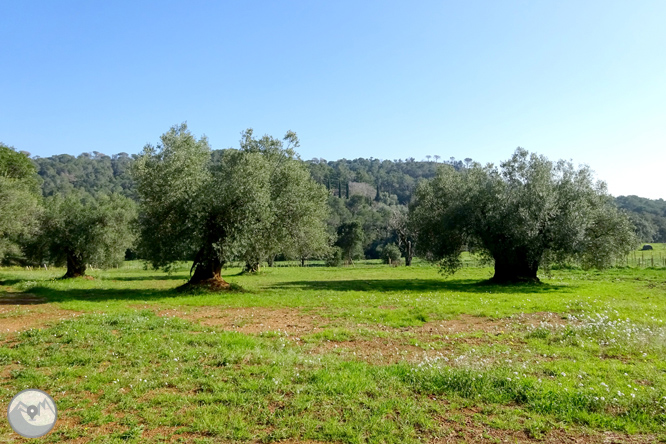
339,188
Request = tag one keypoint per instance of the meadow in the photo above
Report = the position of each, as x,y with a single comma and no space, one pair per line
362,354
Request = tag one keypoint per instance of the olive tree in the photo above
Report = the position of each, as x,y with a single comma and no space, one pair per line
350,240
78,230
245,207
19,200
399,224
295,223
526,213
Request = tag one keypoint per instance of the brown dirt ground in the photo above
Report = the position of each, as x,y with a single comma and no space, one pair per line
389,346
15,318
453,432
293,321
469,432
251,320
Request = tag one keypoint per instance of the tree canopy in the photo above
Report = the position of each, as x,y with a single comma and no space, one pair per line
78,230
526,213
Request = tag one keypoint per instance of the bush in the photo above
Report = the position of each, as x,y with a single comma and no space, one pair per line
334,258
391,254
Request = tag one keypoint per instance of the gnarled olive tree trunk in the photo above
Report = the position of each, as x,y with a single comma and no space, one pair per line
76,267
207,268
515,266
408,254
252,267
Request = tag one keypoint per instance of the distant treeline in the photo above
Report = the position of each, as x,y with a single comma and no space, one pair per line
362,190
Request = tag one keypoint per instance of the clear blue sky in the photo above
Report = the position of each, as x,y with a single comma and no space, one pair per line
581,80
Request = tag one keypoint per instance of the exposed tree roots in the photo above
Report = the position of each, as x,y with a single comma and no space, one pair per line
212,284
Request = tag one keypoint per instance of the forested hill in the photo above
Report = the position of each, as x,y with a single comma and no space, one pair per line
649,216
380,184
92,172
96,172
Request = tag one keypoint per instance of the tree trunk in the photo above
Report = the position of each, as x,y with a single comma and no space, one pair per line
515,268
252,267
271,260
302,262
76,267
408,256
207,270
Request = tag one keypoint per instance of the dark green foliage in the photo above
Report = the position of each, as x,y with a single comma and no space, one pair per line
15,165
350,240
90,172
528,212
19,201
403,232
397,178
334,257
390,254
648,215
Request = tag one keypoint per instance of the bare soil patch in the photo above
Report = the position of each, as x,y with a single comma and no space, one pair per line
251,320
414,344
19,318
469,431
391,345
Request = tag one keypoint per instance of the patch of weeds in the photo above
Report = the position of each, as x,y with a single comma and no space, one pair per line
330,334
537,428
538,333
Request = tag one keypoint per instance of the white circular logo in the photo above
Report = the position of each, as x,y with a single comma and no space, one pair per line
32,413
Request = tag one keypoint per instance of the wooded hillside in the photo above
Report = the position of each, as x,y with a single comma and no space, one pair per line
361,189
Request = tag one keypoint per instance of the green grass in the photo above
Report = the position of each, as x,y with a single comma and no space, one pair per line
121,373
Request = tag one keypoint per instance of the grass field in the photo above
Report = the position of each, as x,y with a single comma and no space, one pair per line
364,354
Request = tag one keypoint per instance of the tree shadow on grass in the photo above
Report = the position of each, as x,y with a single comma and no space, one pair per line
165,277
45,295
421,285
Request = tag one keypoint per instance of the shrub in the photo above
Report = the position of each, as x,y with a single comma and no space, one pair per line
334,258
390,254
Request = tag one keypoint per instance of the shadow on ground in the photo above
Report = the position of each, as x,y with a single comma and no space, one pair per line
396,285
159,277
44,295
